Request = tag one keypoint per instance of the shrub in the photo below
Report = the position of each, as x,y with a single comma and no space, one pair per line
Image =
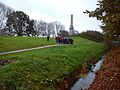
93,35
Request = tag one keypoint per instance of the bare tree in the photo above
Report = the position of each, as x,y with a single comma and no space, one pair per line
4,12
50,29
36,28
58,27
40,27
43,27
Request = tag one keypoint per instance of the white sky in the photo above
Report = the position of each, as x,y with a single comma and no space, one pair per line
59,10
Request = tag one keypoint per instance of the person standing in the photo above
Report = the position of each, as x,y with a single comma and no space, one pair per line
48,38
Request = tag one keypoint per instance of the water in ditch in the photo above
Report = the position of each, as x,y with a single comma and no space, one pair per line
86,81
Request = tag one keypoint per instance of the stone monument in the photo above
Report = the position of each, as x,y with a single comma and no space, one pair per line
71,29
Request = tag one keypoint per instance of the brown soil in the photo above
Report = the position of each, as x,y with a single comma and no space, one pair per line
69,80
5,62
108,78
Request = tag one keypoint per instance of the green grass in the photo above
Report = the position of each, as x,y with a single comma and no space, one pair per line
16,43
40,69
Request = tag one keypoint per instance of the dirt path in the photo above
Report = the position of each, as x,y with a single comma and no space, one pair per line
16,51
108,78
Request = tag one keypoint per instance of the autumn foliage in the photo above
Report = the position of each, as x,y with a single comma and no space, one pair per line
109,76
108,12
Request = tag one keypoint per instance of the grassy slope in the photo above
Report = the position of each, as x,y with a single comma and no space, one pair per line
41,68
15,43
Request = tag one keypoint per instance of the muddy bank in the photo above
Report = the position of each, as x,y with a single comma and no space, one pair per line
108,78
85,82
69,80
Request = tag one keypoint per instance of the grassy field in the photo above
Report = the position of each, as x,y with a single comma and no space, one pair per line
40,69
16,43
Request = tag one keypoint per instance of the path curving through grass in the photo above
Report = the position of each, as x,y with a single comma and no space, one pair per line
42,69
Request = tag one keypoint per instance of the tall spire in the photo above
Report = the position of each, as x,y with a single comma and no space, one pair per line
71,25
71,29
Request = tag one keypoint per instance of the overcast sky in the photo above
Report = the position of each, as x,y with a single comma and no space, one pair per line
59,10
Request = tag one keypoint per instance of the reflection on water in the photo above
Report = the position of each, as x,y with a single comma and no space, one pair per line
85,82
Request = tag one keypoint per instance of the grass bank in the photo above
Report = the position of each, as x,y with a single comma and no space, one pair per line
16,43
41,69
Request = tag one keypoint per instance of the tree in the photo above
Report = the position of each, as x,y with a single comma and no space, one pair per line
50,29
43,27
4,11
54,28
58,26
108,12
18,23
64,33
36,28
30,29
40,27
92,35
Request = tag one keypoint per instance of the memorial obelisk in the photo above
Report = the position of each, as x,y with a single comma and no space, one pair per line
71,29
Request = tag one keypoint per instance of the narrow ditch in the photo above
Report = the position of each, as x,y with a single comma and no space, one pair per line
86,81
82,83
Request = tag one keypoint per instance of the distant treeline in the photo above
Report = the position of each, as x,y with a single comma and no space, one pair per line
18,23
92,35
